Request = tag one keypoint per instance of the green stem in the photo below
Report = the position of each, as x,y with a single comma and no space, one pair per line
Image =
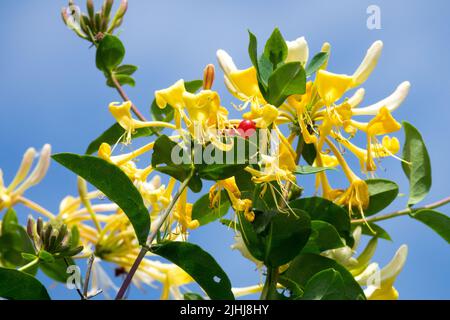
403,212
270,285
126,283
29,265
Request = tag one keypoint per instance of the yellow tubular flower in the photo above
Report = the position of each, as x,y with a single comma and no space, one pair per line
243,84
202,107
183,213
332,86
357,194
385,289
238,204
175,278
173,96
122,113
24,180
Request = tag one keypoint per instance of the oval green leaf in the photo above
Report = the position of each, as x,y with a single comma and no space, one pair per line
200,265
382,192
437,221
204,214
325,285
115,184
325,210
110,53
286,80
17,285
305,266
418,166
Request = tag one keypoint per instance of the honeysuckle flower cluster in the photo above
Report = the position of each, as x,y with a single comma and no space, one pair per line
294,117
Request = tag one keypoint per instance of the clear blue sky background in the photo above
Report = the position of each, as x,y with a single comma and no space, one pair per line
52,93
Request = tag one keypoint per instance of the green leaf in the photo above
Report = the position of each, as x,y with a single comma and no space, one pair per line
110,53
192,296
28,256
123,79
284,237
253,241
305,266
114,134
46,256
286,80
379,231
115,184
162,154
325,285
14,241
253,53
437,221
204,214
316,62
309,153
324,236
304,170
276,49
57,270
325,210
16,285
126,69
418,168
382,192
200,265
217,172
193,86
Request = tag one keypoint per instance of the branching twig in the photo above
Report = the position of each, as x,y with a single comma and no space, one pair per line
403,212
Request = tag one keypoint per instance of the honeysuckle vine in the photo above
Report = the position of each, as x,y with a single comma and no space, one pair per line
291,116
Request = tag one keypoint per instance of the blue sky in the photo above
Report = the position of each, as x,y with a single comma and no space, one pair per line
52,93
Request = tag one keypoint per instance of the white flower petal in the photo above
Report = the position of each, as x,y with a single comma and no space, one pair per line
298,50
368,64
391,103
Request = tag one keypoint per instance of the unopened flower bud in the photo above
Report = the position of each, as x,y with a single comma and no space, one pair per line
106,9
30,226
122,9
90,9
208,77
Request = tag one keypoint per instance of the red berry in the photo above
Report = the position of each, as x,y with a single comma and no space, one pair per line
246,128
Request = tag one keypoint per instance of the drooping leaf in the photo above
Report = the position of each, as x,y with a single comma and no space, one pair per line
115,184
304,170
437,221
126,69
110,53
418,166
286,80
114,134
123,79
325,210
276,49
305,266
309,153
204,214
382,192
325,285
200,265
17,285
316,62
